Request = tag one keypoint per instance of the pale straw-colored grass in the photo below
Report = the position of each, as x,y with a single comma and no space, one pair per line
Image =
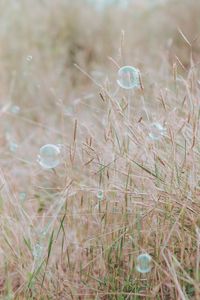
58,63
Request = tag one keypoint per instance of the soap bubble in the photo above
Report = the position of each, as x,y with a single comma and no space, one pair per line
37,251
49,156
13,146
143,263
15,109
22,196
157,131
44,233
29,58
128,77
100,195
129,210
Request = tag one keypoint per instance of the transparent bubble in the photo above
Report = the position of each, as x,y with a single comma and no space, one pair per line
157,131
37,251
29,58
129,210
144,263
128,77
15,109
22,196
13,146
44,233
100,195
49,156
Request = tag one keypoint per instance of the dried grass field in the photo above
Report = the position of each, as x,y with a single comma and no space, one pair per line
77,230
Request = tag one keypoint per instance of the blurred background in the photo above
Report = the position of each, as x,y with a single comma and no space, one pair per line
43,39
43,42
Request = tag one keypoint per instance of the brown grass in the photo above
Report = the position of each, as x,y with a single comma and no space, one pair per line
58,62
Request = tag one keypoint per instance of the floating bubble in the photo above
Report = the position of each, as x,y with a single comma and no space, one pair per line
44,233
15,109
49,156
128,77
37,251
29,58
100,195
129,210
22,196
157,131
13,146
144,263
